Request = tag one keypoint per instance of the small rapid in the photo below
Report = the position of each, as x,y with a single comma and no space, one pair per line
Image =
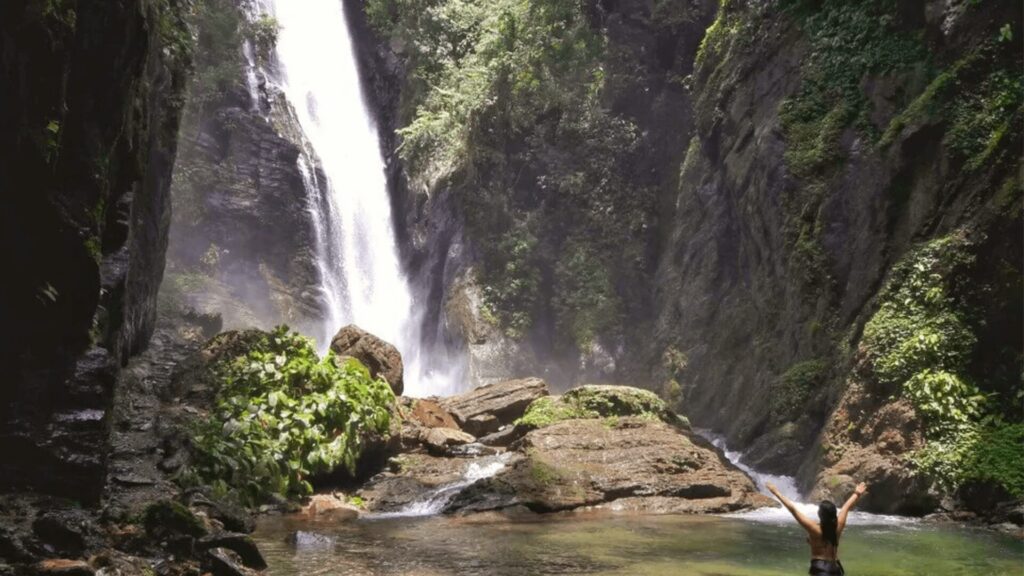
788,487
435,502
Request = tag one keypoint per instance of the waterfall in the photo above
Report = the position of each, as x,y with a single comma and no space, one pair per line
362,279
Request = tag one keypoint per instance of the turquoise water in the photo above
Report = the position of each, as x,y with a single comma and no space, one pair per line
621,545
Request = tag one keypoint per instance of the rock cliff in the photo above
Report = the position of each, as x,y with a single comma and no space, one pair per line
728,202
89,113
242,240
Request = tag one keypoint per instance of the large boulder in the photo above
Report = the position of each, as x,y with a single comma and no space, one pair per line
381,358
637,463
491,406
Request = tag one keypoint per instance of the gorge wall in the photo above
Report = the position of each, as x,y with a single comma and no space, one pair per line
87,143
799,220
242,240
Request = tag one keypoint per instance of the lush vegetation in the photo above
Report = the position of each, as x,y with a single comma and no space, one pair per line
282,415
920,344
505,102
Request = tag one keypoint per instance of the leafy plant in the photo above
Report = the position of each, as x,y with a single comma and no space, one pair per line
919,325
920,343
986,453
282,415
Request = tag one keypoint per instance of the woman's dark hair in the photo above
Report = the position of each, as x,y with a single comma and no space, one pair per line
827,519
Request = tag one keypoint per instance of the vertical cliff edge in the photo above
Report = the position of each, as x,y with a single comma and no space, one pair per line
89,112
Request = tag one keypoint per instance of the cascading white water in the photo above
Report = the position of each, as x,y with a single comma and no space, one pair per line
362,278
787,486
434,503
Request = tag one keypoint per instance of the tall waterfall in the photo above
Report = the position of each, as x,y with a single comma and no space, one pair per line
362,278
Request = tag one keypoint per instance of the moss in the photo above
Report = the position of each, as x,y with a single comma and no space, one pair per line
94,247
980,96
793,389
168,517
617,401
848,42
549,410
542,473
595,401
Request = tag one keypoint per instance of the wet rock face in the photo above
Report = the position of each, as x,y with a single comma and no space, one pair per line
590,462
487,408
241,224
382,359
87,143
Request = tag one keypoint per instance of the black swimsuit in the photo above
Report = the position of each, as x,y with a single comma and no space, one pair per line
826,568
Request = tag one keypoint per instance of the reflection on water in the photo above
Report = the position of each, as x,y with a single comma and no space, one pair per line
618,545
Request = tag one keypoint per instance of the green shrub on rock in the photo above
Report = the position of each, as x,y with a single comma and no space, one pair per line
283,414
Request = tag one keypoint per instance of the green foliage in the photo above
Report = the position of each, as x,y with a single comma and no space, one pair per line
980,96
218,61
586,304
174,29
674,363
512,283
504,101
51,141
920,325
984,115
848,41
60,11
282,415
262,33
95,248
977,453
944,399
920,342
514,55
791,392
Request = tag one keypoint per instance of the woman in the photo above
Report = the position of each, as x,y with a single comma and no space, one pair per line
823,536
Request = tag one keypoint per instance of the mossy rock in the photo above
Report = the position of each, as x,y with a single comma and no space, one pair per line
168,517
599,401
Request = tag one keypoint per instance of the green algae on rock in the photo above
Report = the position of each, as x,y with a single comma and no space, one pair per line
599,401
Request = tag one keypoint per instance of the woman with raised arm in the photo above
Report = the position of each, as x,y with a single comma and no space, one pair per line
823,535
